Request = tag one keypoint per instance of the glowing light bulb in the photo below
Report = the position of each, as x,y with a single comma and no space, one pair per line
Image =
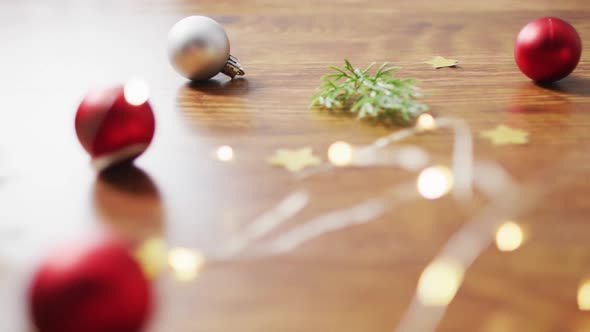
434,182
185,263
425,122
225,153
136,92
439,283
151,254
509,236
584,296
340,153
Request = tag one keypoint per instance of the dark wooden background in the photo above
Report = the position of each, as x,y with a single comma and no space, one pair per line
358,279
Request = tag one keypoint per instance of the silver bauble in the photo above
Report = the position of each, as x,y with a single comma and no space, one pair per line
198,48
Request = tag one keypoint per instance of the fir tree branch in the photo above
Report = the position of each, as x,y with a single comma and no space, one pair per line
381,96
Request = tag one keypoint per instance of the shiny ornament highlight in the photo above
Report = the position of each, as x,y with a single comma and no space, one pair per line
116,125
198,48
92,286
547,49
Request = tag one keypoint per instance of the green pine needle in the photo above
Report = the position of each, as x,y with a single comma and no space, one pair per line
380,96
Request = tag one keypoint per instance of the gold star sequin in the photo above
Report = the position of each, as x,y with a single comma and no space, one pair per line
294,160
441,62
503,135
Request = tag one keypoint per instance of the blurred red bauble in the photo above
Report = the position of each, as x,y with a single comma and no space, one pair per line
547,49
116,125
95,286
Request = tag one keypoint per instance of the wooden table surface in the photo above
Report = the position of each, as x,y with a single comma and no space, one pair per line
360,278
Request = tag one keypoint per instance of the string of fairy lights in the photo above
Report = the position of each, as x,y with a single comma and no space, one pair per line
443,276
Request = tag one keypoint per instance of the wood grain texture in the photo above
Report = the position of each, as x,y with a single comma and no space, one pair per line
358,279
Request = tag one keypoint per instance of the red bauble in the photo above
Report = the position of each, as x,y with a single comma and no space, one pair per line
547,49
94,286
116,125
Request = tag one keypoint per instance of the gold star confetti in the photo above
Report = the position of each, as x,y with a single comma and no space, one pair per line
294,160
441,62
503,135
